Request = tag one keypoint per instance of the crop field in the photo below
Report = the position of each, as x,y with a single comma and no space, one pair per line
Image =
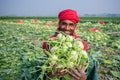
21,45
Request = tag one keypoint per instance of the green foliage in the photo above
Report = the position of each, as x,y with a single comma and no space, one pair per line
20,46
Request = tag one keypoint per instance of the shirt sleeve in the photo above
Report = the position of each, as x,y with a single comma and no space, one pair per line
85,45
45,45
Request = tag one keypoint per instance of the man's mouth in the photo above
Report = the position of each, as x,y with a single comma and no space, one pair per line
67,32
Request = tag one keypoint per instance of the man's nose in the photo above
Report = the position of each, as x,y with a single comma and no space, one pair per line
67,27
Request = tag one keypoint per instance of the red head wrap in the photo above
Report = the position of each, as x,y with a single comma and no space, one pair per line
68,14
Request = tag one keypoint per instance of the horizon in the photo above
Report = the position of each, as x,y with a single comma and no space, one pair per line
84,15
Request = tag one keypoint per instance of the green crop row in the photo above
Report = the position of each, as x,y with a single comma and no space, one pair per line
21,46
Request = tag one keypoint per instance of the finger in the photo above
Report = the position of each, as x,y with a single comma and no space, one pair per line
83,65
82,70
73,76
59,70
74,72
54,68
66,71
63,73
78,68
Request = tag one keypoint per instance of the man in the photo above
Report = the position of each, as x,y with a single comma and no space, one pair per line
68,20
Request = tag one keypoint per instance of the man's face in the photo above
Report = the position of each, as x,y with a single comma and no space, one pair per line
67,26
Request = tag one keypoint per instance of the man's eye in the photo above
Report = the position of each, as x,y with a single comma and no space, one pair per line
64,23
71,24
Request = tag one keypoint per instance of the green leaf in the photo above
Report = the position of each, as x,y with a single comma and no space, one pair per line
116,74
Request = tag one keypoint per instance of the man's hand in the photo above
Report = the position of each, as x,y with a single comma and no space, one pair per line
78,74
57,71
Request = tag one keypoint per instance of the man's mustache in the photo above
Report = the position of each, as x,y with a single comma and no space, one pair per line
66,30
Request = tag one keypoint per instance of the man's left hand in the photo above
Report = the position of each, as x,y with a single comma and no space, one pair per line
79,73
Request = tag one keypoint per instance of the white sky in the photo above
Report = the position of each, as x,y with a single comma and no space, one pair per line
53,7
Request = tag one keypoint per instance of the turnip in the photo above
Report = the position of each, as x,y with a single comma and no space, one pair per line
65,51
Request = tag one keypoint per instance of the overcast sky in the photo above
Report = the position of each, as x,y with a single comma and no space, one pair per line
53,7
